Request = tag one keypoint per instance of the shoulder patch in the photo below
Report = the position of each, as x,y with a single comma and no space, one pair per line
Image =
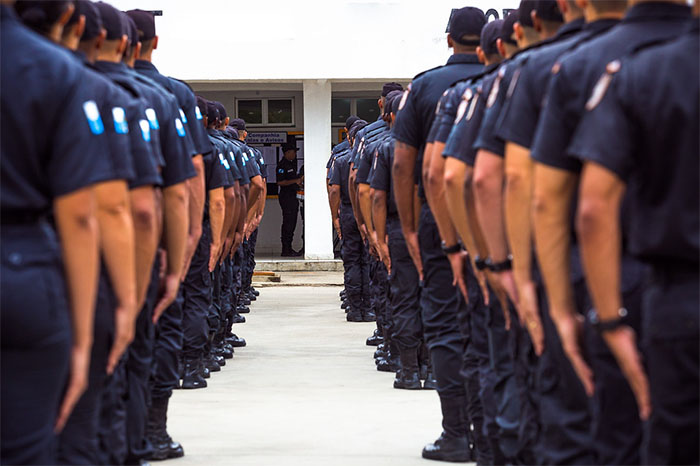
494,90
601,87
197,112
145,130
182,116
92,113
119,117
463,104
404,97
514,82
152,119
179,127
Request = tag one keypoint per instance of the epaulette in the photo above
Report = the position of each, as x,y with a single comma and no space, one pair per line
473,79
427,71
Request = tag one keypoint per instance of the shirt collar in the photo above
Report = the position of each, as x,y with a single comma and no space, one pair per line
109,66
145,65
463,58
600,25
570,27
655,10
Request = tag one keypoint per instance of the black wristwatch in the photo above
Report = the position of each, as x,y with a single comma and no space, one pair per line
500,266
452,249
480,263
603,326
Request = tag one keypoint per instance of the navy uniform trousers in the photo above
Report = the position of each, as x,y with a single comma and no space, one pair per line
290,210
355,261
36,342
670,326
197,294
407,328
440,302
79,442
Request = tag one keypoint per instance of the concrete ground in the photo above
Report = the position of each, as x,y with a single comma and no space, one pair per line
304,391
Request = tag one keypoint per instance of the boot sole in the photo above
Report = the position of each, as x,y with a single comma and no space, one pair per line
407,387
450,458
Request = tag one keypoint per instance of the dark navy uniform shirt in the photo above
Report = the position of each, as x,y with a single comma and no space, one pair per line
186,102
343,146
417,107
381,177
251,164
232,173
346,151
145,155
519,117
374,149
262,167
644,129
578,71
70,154
287,170
370,129
470,112
164,115
339,177
367,152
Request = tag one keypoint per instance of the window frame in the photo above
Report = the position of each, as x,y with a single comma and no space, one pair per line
265,112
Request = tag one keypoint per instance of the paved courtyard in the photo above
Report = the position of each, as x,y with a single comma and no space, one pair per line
304,391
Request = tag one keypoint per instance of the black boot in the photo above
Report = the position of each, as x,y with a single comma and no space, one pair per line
212,363
430,383
238,319
407,378
192,377
375,339
236,341
369,316
254,291
354,316
164,448
453,444
287,251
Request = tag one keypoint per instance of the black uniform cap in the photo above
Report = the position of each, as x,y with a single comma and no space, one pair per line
395,104
202,104
93,20
238,123
287,147
212,112
112,21
145,23
490,35
525,12
507,27
467,21
357,126
548,10
232,131
389,104
350,121
222,110
131,29
389,87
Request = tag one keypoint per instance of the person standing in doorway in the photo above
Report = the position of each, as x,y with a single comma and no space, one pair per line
288,181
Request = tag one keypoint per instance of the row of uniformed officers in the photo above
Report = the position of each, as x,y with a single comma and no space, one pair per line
530,211
129,217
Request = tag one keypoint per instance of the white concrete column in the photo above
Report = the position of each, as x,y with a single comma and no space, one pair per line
317,147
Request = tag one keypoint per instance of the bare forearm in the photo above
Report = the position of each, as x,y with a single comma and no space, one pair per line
78,233
254,192
488,184
117,240
379,214
599,233
437,199
553,194
176,219
335,201
404,186
143,211
518,208
455,195
217,212
366,206
288,182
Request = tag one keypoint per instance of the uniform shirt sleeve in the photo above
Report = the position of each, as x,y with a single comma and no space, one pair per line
407,124
241,165
251,163
518,119
117,130
487,139
178,161
460,142
215,172
335,172
79,154
446,117
605,135
145,162
381,179
195,128
558,122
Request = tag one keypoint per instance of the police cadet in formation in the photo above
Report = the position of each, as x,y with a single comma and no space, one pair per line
134,148
288,182
442,302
